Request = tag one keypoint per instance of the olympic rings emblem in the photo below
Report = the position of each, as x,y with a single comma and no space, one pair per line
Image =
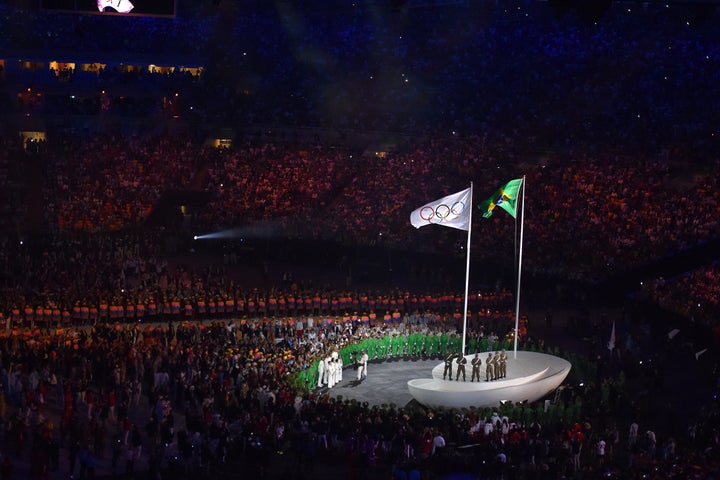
442,212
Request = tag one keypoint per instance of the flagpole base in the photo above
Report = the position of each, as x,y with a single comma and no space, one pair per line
530,377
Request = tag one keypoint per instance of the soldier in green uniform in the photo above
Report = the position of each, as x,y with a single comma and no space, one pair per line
503,364
489,370
496,365
461,362
448,366
476,362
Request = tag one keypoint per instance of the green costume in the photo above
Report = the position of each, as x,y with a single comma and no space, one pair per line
371,347
400,344
385,346
455,344
415,344
432,344
472,345
444,338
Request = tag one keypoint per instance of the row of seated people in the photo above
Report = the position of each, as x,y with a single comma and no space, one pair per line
244,385
620,225
619,203
269,308
613,216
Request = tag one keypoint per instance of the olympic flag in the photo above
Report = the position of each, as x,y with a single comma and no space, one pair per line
451,211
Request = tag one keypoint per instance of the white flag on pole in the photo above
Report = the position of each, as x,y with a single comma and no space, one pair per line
451,211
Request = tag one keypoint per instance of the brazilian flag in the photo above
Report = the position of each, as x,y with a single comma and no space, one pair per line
505,198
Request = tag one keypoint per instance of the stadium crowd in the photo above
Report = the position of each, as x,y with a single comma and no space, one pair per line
78,291
248,392
627,210
125,353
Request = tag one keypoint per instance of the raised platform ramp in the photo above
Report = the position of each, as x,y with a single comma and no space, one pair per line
530,376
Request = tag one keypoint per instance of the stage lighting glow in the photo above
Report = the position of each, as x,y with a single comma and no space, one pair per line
262,230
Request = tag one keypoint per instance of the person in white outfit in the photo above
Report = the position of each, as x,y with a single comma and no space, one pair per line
321,373
362,366
336,372
330,372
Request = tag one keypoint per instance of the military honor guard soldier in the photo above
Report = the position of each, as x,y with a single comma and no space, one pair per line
461,362
476,362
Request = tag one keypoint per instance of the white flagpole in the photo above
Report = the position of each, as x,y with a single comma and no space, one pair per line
467,273
517,295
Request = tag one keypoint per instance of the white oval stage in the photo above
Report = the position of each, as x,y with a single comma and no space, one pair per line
530,377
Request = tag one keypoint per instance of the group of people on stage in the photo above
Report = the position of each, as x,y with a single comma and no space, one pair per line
358,347
495,366
330,369
426,337
330,366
